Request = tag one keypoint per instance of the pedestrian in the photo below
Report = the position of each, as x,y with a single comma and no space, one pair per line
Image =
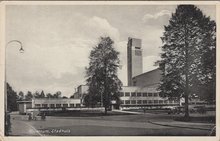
144,110
43,116
29,116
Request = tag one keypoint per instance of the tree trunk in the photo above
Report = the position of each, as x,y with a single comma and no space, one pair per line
106,110
187,77
186,106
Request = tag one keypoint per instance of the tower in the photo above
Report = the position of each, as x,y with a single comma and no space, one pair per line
134,58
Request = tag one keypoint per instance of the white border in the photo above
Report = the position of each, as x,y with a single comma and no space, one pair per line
101,138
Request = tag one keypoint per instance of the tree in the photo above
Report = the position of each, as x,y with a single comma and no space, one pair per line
64,97
42,95
188,55
102,79
72,96
12,98
28,96
57,94
49,95
37,95
21,96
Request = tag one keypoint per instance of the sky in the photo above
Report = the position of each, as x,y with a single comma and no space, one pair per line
57,40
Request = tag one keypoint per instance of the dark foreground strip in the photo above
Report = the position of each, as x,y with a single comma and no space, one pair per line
178,126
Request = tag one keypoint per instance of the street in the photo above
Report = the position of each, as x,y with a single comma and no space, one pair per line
116,125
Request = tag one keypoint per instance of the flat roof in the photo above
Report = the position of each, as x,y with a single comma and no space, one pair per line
24,101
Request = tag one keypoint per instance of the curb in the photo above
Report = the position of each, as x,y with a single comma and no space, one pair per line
178,126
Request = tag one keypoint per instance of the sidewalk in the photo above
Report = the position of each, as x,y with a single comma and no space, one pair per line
129,112
189,125
21,128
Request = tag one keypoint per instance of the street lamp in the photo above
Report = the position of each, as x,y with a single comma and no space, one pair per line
16,41
7,116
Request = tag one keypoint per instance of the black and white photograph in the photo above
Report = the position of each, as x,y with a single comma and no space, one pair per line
109,69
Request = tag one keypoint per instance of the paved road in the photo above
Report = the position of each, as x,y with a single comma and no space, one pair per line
126,125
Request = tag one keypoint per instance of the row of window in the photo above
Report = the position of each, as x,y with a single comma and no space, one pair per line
56,105
138,94
147,102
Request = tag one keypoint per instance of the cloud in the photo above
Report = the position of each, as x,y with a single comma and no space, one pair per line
148,63
101,27
159,18
121,47
56,52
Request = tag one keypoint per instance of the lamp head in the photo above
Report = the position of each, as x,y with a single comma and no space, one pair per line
21,50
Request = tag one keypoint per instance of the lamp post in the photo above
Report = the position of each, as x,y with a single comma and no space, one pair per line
7,116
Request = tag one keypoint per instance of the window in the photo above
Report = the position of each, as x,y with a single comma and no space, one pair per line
155,94
52,105
37,105
170,101
133,94
138,52
58,105
144,101
144,94
150,101
134,83
155,101
122,102
139,94
137,47
139,102
150,94
176,101
121,94
44,105
65,105
127,101
127,94
160,101
77,105
133,101
166,101
71,105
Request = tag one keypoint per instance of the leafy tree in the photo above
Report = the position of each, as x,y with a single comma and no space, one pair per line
28,96
207,68
72,96
188,51
11,99
57,94
64,97
37,95
49,95
102,79
21,96
42,95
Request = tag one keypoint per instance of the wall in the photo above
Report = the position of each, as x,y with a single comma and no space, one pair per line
55,101
147,79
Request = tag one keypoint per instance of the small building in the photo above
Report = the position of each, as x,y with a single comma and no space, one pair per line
23,106
48,104
55,103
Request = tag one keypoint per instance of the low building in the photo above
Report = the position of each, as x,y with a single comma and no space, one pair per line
55,103
48,104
